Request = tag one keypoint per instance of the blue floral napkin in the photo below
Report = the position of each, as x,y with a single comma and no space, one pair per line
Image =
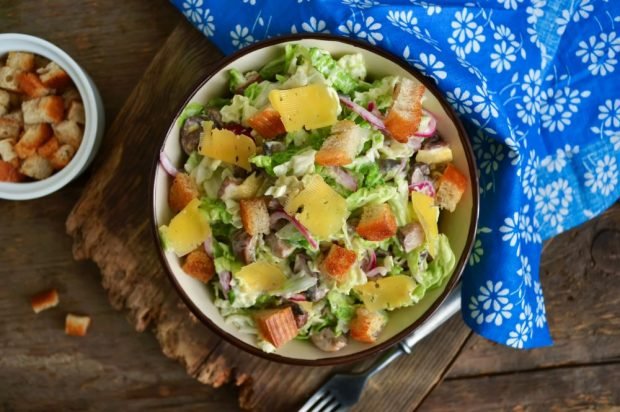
537,84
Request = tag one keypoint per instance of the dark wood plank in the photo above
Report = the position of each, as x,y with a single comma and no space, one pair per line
586,388
580,279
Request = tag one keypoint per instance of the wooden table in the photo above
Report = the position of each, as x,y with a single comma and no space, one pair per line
116,368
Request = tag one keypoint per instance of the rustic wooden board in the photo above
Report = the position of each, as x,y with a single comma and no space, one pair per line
110,226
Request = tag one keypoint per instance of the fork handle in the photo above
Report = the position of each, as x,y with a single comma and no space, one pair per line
449,307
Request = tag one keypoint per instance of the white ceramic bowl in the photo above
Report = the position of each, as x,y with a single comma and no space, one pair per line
93,108
459,226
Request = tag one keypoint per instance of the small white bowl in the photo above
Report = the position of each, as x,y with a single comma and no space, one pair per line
93,128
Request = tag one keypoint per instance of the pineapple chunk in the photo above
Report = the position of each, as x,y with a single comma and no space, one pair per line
261,277
224,145
187,230
319,208
312,106
389,293
427,213
434,155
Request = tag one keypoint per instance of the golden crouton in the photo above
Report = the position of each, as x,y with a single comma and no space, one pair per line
20,61
254,216
9,128
276,326
70,95
68,132
36,167
76,112
267,123
7,152
342,146
5,102
30,84
182,191
44,300
451,186
8,78
53,76
48,109
403,118
76,325
338,262
9,173
377,222
32,139
199,265
49,148
366,325
61,157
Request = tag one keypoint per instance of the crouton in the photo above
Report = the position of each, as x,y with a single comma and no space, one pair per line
9,128
182,191
451,186
8,79
403,118
377,222
32,139
338,262
20,61
199,265
7,152
30,84
36,167
254,216
48,109
44,300
276,326
62,156
5,102
40,61
68,132
70,95
9,173
76,112
76,325
53,76
366,325
342,146
15,115
267,123
49,148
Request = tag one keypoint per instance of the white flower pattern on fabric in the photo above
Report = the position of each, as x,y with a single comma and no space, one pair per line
519,336
369,32
604,178
360,4
558,162
510,230
250,2
241,37
494,299
510,4
191,10
609,113
476,311
315,26
525,271
460,100
466,35
530,175
207,26
484,103
431,66
541,312
503,56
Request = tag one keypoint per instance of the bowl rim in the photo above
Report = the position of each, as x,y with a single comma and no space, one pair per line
458,269
93,129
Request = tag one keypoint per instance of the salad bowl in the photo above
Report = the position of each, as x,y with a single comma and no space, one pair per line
458,226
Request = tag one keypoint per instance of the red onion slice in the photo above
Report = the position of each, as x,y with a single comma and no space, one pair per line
365,114
343,178
370,261
275,216
225,278
165,162
236,128
425,187
430,128
298,297
208,245
378,271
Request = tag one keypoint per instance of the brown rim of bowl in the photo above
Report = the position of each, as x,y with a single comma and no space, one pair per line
458,270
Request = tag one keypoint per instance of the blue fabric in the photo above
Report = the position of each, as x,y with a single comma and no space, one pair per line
537,84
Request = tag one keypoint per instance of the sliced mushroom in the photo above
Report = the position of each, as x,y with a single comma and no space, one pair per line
411,236
244,246
327,341
280,248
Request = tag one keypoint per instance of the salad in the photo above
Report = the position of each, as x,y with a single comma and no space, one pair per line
309,199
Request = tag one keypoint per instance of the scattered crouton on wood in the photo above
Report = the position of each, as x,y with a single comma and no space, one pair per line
182,191
254,216
36,167
267,123
34,137
8,78
48,109
277,326
403,118
451,186
76,112
9,128
61,157
342,146
76,325
199,265
7,152
53,76
23,61
68,132
366,325
338,262
377,222
30,84
44,300
9,173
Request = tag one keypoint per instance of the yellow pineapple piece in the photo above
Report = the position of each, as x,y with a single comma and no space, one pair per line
435,155
224,145
427,214
312,106
187,230
261,277
319,208
389,293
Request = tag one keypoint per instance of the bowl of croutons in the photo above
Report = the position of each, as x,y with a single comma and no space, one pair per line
51,118
315,199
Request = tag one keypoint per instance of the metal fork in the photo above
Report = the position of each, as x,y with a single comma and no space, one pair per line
343,390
